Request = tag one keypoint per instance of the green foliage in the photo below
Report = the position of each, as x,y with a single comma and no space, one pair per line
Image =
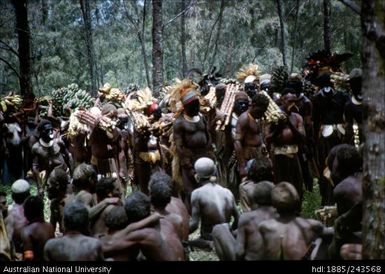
249,33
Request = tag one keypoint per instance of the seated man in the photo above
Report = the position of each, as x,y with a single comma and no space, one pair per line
258,169
211,203
160,195
287,237
37,232
16,220
248,240
74,245
105,188
142,234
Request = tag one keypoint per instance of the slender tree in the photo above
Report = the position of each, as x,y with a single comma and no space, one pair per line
373,27
183,39
283,32
327,28
86,12
157,47
24,51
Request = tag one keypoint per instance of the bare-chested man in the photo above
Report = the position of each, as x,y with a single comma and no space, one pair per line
47,154
248,141
192,141
246,242
84,179
74,245
258,169
176,205
105,188
37,232
16,220
142,234
57,185
212,204
160,195
287,237
285,138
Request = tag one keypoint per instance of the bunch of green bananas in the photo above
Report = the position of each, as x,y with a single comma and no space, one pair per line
11,100
70,97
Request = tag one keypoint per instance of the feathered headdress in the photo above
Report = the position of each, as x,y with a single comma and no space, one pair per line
184,92
249,73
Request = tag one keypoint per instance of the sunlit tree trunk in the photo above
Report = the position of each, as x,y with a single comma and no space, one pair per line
86,12
157,47
373,26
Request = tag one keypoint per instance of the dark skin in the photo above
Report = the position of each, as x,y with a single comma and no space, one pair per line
287,237
140,236
73,246
192,139
248,241
291,131
34,237
212,204
99,226
176,206
3,205
248,134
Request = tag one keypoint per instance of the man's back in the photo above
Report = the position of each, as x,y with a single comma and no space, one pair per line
249,241
288,240
35,236
73,247
216,205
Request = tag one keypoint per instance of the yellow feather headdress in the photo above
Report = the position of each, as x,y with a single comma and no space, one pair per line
250,70
181,93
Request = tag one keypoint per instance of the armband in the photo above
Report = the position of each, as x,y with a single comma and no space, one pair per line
28,255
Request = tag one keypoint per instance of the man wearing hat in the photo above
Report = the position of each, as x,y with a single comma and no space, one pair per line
16,220
211,203
192,139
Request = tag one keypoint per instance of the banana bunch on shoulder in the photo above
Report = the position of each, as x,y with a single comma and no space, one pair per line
116,95
11,100
273,114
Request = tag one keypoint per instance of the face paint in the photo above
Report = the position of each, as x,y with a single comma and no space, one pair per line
240,107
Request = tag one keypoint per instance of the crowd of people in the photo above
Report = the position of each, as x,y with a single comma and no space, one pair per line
230,159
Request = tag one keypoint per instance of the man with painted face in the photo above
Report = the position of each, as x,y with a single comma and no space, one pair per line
48,153
353,110
248,140
192,140
328,110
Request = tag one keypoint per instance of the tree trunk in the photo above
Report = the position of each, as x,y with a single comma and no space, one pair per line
44,12
283,32
327,29
157,47
373,86
24,36
143,46
220,19
86,12
294,36
183,39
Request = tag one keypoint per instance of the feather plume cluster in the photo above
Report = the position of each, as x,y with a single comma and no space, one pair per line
251,69
139,100
177,91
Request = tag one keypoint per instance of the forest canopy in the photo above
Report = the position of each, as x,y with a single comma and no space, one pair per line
196,34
